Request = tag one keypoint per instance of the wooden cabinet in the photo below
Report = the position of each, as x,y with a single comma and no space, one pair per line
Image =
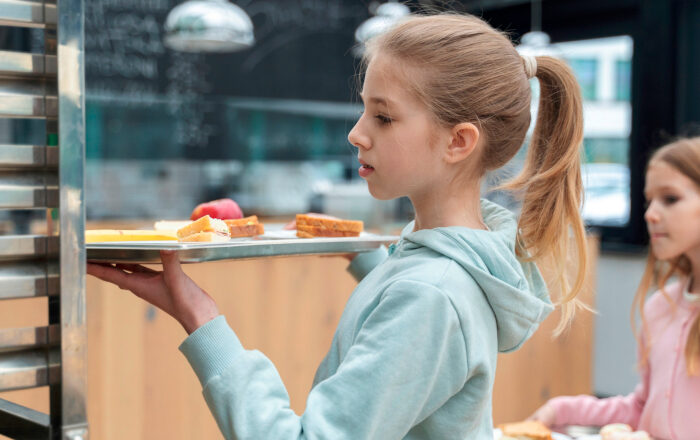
141,387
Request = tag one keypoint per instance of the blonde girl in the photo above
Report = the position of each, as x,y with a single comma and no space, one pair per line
666,403
447,99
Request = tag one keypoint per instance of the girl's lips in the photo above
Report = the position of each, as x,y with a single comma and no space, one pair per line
365,170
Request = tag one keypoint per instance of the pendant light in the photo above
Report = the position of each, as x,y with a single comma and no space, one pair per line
536,42
386,16
208,26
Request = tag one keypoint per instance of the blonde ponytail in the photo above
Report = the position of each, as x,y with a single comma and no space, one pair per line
550,182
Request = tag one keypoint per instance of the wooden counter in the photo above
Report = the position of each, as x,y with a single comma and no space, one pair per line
141,387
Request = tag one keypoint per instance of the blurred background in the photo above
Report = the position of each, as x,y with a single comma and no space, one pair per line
267,125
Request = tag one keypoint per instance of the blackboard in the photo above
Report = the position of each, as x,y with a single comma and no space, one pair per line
302,54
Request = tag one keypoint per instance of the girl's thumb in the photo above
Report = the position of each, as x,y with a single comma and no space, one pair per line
170,260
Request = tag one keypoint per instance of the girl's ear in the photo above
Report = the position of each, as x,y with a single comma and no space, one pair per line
463,142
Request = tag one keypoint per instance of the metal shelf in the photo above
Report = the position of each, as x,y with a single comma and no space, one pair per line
22,190
28,156
26,369
21,338
29,280
27,13
21,63
27,247
22,98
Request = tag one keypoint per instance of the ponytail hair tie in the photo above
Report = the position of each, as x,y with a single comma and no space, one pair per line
530,64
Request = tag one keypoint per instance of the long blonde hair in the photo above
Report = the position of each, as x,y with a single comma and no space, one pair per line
470,72
684,156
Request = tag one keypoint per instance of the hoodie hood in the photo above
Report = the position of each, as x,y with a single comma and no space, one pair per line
514,289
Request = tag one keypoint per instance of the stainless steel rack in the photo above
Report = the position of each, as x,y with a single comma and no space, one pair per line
48,86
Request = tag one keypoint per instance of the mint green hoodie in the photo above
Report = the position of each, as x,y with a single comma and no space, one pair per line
414,355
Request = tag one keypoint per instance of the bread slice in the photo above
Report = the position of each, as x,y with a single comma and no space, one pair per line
527,430
102,235
245,227
309,225
315,231
201,225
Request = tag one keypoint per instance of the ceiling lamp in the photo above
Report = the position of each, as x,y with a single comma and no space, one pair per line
208,26
536,42
386,15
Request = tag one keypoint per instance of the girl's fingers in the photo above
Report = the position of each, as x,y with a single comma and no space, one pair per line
110,274
97,269
135,268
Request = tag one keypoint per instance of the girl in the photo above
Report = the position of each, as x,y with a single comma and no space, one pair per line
666,403
447,99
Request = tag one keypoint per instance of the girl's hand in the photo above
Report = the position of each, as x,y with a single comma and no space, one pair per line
544,414
170,290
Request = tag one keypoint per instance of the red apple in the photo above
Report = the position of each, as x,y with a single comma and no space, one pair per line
224,209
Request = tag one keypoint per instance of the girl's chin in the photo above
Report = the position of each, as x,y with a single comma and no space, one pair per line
663,254
378,194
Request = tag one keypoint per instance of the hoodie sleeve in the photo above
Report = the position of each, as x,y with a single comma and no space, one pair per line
592,411
408,358
364,262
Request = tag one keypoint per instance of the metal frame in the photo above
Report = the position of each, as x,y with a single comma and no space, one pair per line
71,129
47,86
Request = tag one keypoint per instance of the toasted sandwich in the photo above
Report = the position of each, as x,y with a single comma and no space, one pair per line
309,226
204,229
245,227
527,430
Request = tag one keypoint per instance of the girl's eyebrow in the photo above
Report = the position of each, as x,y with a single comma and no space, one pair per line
659,188
377,100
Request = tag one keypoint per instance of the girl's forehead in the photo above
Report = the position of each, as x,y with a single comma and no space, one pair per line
663,175
381,74
388,79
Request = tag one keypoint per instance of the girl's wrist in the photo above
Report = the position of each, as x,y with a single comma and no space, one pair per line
198,318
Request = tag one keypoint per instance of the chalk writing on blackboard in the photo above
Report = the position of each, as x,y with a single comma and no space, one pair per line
128,65
186,82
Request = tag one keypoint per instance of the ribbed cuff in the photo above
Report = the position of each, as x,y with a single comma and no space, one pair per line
211,349
363,263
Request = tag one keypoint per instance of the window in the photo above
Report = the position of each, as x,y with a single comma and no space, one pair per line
623,77
586,71
603,68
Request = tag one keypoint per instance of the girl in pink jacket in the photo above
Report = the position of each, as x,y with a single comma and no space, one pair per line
666,403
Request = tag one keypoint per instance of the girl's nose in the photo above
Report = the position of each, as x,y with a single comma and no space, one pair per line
357,139
651,215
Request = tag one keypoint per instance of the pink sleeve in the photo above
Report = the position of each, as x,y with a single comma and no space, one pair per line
591,411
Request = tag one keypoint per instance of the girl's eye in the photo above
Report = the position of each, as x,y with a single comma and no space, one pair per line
383,119
670,200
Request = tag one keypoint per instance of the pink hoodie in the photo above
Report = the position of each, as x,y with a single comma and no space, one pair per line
666,403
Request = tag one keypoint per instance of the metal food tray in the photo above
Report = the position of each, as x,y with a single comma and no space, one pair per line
273,244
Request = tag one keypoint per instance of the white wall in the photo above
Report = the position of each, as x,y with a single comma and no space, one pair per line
614,350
